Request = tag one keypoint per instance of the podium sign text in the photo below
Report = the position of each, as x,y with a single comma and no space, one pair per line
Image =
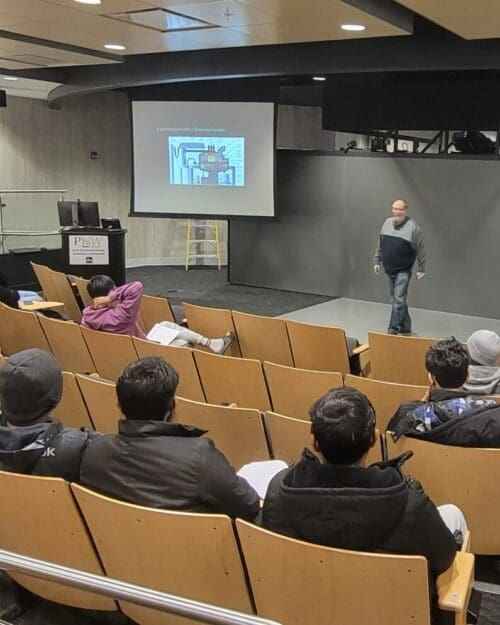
88,249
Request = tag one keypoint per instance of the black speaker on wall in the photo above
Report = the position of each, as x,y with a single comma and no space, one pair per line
3,98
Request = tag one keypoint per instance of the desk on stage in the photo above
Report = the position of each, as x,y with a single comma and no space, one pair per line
90,251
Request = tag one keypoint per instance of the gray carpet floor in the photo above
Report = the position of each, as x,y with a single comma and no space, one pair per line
205,286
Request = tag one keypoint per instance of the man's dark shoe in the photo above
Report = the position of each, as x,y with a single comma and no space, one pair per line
391,331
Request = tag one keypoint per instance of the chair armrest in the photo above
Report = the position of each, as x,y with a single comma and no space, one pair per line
454,586
360,349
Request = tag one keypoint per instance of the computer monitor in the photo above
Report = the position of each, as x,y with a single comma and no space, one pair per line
88,214
74,214
68,214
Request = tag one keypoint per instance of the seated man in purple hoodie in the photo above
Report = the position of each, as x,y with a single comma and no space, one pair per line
115,310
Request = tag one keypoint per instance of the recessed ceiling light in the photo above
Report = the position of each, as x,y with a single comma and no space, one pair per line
10,77
353,27
114,46
89,1
319,78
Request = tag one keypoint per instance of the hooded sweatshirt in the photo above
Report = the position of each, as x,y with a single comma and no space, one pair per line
121,317
47,449
483,380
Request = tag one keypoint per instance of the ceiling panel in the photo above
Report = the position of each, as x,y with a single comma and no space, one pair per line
105,8
470,20
13,51
227,13
6,64
236,23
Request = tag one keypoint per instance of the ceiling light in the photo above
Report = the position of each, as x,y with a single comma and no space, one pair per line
89,1
319,78
114,46
10,77
353,27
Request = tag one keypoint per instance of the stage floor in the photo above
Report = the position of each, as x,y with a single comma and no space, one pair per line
357,317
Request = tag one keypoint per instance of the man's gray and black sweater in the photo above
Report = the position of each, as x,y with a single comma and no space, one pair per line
399,247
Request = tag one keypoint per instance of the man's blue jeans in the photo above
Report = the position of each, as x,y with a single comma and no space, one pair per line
398,290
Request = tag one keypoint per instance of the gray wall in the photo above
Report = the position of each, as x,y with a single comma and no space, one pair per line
331,208
42,148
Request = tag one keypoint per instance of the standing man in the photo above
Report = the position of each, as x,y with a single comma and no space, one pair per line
400,244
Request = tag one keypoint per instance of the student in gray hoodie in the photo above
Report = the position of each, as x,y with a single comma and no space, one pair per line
484,374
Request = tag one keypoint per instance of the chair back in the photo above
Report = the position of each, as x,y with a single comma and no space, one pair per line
232,380
293,391
237,432
212,323
399,359
42,273
81,285
110,352
72,410
189,555
155,310
295,582
66,295
67,344
463,476
102,403
8,343
40,519
263,338
386,397
182,360
318,347
289,437
27,331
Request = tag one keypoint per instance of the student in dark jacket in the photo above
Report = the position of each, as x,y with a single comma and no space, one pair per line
8,296
31,384
446,414
333,499
156,462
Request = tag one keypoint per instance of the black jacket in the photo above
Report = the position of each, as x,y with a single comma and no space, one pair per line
449,418
9,297
48,449
373,509
167,465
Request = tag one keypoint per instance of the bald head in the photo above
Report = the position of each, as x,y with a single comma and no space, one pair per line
399,211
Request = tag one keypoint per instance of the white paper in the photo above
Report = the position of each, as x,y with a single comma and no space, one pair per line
162,334
259,474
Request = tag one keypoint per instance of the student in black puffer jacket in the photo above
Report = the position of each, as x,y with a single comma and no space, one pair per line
332,499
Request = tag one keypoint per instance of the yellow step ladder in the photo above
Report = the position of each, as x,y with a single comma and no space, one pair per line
204,234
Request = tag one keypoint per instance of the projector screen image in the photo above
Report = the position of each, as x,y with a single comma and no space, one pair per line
207,159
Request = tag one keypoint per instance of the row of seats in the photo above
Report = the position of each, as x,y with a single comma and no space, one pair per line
307,346
240,433
245,435
203,376
208,558
288,343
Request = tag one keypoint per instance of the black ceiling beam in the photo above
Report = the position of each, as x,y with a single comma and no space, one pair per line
388,54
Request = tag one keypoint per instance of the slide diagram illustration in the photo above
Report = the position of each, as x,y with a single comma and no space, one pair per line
215,161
